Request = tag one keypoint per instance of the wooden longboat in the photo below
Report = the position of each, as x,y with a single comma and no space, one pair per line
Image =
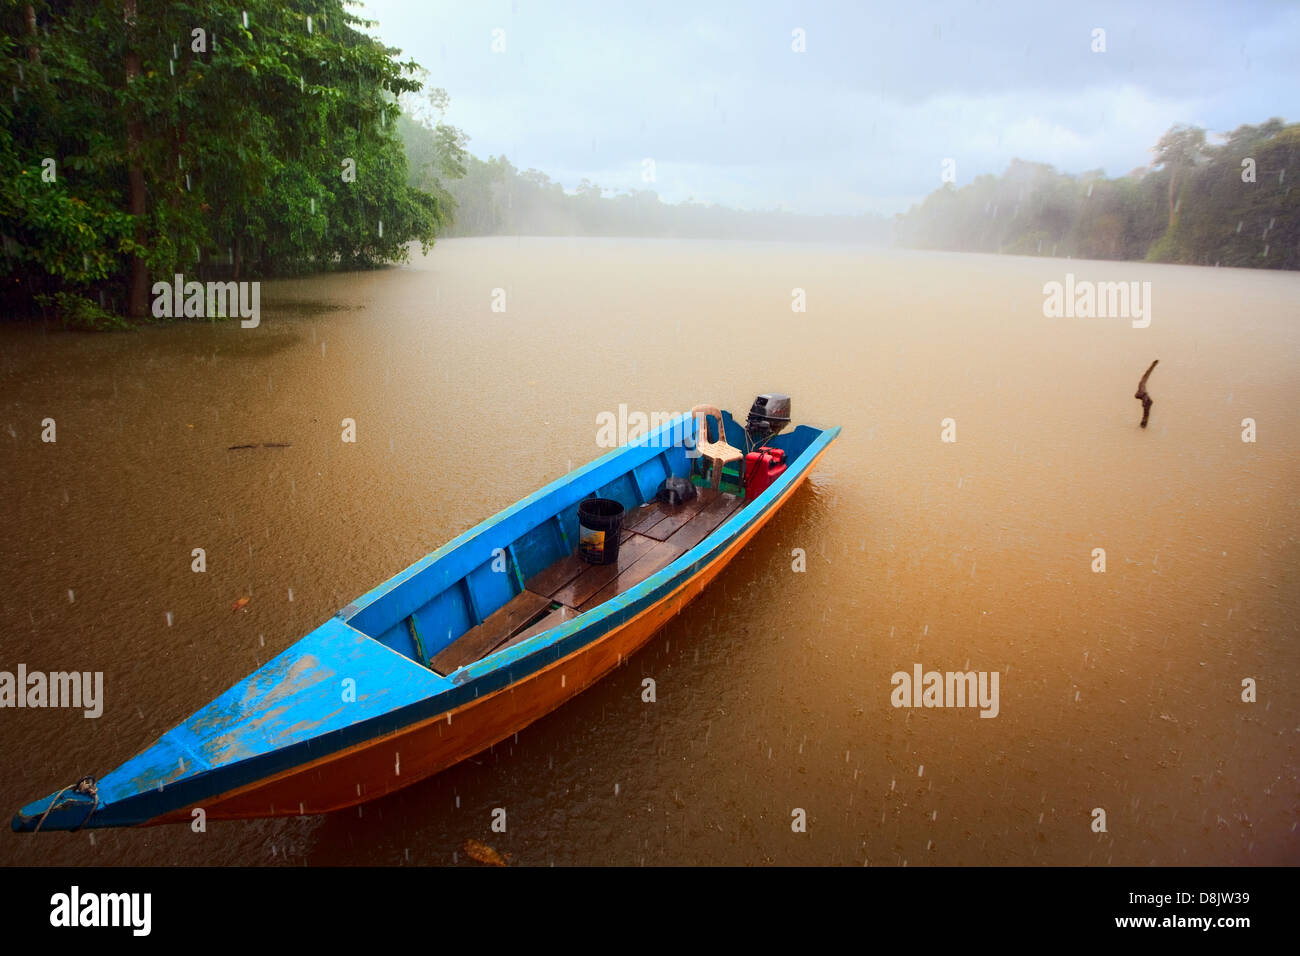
459,651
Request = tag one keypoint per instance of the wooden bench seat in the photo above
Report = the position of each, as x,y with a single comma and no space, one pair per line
654,536
554,619
656,557
496,629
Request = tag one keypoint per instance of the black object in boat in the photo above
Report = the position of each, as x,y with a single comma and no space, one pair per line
676,491
600,525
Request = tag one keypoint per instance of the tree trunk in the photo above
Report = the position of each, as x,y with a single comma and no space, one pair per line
33,51
1173,179
138,296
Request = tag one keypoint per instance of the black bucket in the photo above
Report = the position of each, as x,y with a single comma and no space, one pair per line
600,525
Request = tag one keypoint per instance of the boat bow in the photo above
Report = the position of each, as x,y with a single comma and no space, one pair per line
298,705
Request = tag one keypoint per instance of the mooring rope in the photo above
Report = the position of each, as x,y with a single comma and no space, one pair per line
86,785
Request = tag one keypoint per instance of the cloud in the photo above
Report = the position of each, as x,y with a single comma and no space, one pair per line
861,121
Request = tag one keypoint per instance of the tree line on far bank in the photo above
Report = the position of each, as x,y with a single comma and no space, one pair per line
244,139
1234,203
1200,203
495,198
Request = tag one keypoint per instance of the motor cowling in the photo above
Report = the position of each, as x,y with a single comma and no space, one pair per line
769,414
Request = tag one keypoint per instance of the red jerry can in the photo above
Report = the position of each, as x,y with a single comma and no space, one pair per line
763,467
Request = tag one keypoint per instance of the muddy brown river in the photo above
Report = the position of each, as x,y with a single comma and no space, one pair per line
1119,690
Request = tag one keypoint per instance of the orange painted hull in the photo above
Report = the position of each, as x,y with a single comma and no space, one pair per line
384,764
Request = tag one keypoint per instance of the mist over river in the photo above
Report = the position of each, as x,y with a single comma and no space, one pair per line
1120,690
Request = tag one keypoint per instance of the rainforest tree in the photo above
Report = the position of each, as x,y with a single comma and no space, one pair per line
141,138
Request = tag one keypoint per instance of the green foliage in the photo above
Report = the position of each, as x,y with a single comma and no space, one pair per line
78,312
435,151
1224,220
239,133
1191,206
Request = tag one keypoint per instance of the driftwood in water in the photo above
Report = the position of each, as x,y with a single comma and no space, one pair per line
1142,396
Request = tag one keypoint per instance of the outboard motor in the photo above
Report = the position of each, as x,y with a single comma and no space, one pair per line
769,414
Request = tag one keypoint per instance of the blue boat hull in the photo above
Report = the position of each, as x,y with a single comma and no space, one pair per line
354,710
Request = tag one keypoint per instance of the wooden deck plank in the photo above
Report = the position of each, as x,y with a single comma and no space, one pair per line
556,575
649,517
646,514
705,521
559,573
480,641
675,518
658,557
596,576
554,619
575,584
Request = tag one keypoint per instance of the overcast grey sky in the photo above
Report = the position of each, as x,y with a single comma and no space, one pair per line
862,120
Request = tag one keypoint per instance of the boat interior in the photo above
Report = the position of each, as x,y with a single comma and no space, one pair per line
521,573
571,585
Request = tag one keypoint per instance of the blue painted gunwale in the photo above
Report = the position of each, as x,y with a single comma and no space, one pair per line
395,692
